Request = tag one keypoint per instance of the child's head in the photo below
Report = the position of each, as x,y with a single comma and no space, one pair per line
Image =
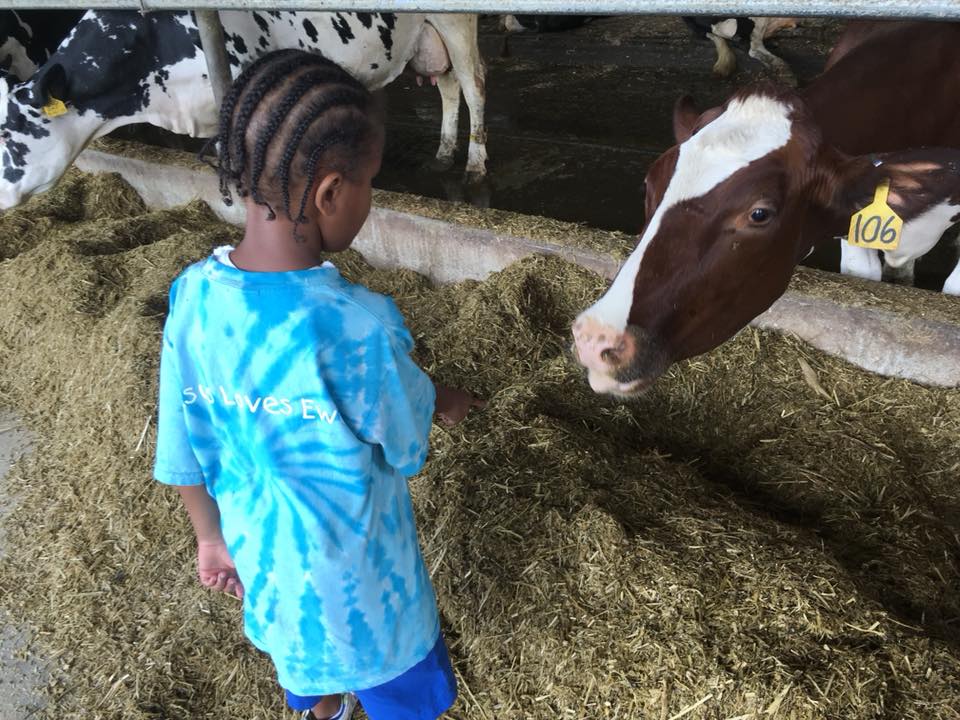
302,139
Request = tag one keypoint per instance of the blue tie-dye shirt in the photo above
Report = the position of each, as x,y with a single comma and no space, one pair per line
293,398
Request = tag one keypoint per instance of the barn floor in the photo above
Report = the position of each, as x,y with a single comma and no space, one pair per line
768,532
574,119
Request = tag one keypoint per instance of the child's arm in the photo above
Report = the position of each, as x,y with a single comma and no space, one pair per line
214,564
453,405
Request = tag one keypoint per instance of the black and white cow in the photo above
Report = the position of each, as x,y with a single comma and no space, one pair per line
120,67
751,31
29,37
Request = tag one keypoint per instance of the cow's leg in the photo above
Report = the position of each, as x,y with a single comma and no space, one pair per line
860,262
952,285
449,88
510,24
726,61
758,51
459,34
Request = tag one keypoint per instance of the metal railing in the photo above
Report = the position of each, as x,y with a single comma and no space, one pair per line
921,9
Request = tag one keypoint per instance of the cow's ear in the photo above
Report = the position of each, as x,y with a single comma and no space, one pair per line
919,180
685,117
49,82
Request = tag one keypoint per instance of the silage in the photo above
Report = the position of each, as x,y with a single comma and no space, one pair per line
768,532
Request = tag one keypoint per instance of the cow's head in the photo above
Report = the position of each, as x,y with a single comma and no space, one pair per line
36,146
24,134
731,210
115,68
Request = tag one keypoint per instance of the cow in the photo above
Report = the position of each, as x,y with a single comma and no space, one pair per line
753,30
753,185
120,67
28,37
719,30
543,23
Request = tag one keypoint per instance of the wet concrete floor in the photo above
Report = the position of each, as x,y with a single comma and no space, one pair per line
23,674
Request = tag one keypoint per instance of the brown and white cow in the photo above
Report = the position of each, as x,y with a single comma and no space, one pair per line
752,186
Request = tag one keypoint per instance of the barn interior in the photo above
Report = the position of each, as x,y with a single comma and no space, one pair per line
771,531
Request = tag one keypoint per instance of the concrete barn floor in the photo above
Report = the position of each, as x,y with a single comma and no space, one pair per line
22,674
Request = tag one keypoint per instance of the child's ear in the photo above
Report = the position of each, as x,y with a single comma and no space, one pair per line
920,180
327,195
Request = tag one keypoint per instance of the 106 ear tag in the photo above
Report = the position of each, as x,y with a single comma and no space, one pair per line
877,226
54,108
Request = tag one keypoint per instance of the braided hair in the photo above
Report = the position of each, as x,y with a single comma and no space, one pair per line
287,115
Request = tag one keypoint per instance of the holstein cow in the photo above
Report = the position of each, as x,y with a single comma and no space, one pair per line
752,186
753,31
121,67
28,37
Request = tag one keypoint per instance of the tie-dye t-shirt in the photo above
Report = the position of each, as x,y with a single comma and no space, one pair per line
293,398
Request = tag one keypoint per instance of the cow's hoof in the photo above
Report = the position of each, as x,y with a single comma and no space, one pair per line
788,78
441,163
475,177
478,194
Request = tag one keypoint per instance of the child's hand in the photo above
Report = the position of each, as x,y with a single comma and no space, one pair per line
453,405
216,568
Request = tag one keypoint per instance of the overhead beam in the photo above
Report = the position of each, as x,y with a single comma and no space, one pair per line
920,9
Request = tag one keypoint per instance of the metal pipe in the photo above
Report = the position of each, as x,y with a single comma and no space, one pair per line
215,51
920,9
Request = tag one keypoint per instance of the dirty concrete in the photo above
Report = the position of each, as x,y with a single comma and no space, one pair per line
23,674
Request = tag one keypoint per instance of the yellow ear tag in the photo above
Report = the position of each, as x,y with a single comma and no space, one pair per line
877,226
54,108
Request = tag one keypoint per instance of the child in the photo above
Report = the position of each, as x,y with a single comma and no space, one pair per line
291,413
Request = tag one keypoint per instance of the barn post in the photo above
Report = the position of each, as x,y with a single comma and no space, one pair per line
215,50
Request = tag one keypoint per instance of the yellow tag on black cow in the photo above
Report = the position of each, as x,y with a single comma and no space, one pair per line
877,226
54,108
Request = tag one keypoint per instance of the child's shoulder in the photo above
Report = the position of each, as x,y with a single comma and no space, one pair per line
185,276
378,309
382,307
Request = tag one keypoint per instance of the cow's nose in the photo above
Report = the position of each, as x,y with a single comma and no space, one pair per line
599,347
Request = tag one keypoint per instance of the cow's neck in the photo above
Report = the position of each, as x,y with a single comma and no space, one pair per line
868,101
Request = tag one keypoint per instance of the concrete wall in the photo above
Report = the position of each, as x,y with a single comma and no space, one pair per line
899,344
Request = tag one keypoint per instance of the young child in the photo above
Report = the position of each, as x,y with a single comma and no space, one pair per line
291,413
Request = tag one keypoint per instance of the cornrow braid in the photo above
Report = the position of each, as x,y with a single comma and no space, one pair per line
259,87
346,97
288,114
332,138
309,80
225,168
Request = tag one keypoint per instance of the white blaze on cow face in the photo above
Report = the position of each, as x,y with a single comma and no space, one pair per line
748,129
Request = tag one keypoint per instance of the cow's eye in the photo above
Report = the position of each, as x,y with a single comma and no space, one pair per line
760,215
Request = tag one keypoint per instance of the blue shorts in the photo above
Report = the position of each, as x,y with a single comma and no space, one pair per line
424,692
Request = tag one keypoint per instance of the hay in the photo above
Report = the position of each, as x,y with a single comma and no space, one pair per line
904,301
768,533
